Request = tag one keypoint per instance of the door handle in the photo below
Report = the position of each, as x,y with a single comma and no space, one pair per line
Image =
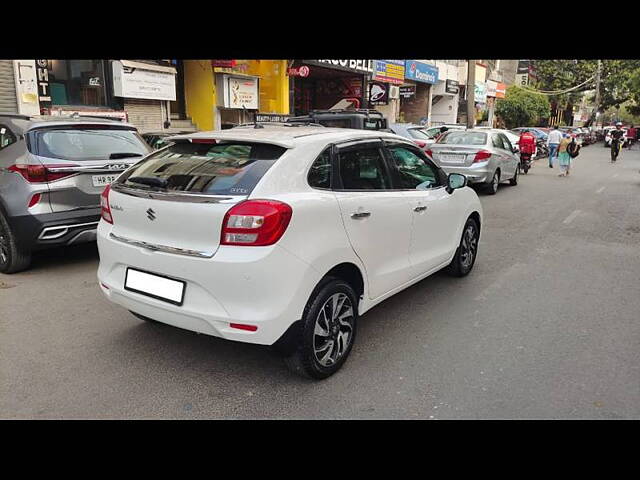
421,208
357,215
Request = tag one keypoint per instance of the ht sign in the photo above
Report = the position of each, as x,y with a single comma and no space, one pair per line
42,74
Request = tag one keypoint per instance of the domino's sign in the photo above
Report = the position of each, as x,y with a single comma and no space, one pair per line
420,72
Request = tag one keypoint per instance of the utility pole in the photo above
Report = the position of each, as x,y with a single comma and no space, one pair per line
471,93
597,92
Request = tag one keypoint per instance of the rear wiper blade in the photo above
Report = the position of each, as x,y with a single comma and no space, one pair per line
151,181
125,155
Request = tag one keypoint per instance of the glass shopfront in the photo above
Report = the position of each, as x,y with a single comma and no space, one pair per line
77,83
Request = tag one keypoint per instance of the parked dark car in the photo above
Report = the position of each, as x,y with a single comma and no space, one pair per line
361,119
157,140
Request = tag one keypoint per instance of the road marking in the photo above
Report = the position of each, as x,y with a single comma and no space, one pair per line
600,190
571,217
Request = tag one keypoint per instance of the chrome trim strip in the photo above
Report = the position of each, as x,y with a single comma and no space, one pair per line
162,248
88,168
64,228
174,197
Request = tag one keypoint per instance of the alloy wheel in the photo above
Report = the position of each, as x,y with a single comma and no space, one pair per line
469,246
333,329
4,246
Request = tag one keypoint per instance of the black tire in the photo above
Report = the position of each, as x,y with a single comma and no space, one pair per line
303,360
142,317
460,265
12,258
525,169
492,187
514,181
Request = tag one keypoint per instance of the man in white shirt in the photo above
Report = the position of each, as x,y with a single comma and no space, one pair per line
553,141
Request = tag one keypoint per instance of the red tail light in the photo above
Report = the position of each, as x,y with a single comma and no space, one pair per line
40,173
481,156
429,152
203,140
420,143
255,223
242,326
105,209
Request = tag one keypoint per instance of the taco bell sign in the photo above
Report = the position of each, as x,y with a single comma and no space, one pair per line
420,72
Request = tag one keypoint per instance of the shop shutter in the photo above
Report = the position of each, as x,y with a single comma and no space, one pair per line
145,115
8,101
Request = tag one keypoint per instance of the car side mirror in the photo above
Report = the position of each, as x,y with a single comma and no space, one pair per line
514,149
455,181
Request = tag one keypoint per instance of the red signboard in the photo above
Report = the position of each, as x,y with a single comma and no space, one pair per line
302,71
223,63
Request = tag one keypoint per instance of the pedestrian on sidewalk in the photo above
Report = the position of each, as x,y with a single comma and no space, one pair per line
564,159
553,142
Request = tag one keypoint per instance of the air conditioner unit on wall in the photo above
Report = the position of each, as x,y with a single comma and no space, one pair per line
394,91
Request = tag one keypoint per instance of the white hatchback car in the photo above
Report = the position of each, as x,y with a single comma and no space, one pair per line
281,236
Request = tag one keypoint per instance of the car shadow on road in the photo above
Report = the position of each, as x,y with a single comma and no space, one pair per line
171,350
61,257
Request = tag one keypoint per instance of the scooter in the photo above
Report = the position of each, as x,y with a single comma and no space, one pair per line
525,162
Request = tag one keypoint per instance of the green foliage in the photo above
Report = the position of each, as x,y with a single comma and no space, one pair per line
615,87
521,108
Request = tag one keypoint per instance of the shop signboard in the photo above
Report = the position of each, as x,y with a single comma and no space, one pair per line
522,79
501,90
452,86
223,63
42,75
390,71
129,82
407,91
491,88
378,93
302,71
271,117
420,72
523,66
241,92
356,66
480,92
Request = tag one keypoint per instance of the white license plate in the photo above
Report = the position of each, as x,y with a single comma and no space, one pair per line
103,180
155,286
452,158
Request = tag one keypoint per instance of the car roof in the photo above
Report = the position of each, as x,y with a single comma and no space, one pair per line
38,121
287,137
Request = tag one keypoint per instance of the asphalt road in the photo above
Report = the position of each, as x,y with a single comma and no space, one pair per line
546,326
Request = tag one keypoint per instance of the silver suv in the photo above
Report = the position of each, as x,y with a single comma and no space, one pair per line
52,171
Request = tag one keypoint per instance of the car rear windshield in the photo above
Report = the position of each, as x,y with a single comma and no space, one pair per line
418,133
463,138
83,144
223,168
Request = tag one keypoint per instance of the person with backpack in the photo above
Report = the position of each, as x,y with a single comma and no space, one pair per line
564,159
573,149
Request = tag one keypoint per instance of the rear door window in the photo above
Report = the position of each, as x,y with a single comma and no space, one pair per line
224,168
79,144
362,167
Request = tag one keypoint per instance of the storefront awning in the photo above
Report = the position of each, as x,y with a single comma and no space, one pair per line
148,66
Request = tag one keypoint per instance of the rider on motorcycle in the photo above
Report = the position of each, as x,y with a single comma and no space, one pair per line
617,141
527,145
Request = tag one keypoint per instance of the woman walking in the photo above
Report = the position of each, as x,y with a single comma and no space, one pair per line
564,159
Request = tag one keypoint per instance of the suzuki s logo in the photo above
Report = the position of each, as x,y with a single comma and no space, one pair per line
151,215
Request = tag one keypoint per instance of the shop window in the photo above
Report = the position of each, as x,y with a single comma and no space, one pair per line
77,82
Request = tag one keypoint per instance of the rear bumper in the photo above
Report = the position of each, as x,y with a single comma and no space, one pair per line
476,173
265,287
36,232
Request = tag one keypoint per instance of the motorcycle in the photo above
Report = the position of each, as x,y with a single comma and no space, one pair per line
543,150
525,162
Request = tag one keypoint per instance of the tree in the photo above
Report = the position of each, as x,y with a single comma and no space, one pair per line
521,108
615,82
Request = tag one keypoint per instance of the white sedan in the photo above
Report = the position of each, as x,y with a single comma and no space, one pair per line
281,236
